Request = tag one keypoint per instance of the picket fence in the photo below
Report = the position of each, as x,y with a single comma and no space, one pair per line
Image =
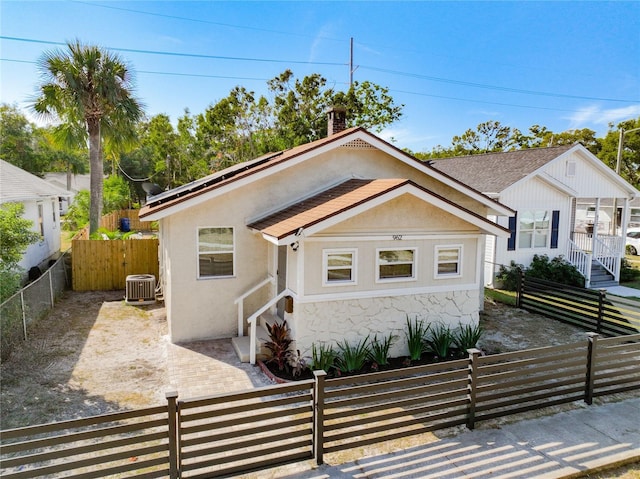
227,434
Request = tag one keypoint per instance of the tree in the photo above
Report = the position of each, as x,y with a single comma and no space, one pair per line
15,235
91,90
630,164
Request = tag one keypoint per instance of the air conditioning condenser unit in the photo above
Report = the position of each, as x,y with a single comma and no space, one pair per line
140,289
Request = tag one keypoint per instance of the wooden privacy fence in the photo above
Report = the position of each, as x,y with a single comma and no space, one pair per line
230,433
102,265
111,222
586,308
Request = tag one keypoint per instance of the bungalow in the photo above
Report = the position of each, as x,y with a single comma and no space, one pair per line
40,200
563,197
343,237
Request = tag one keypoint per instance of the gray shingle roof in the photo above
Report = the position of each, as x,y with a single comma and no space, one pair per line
494,172
17,185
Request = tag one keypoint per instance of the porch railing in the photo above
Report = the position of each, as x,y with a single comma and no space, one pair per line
240,301
609,258
580,259
253,319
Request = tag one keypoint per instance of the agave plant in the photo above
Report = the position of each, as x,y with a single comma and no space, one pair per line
379,349
323,357
440,339
466,336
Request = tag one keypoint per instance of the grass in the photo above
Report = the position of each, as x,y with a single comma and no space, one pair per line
501,296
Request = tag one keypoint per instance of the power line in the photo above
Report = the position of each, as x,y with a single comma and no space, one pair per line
186,55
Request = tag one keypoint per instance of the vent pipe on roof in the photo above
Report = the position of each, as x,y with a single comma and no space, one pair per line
336,120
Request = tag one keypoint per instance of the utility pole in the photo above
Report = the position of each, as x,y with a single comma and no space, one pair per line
351,68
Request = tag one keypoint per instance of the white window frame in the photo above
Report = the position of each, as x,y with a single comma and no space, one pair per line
200,253
414,263
326,268
40,208
535,231
54,205
437,262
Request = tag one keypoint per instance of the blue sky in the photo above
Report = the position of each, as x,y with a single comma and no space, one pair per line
563,65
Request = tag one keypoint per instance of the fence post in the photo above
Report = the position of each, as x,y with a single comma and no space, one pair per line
591,364
472,386
520,286
602,295
174,443
52,293
24,315
318,416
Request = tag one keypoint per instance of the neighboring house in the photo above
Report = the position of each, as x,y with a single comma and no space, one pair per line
72,183
559,194
344,237
41,206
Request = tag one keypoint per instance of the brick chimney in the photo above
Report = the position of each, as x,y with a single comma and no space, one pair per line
336,120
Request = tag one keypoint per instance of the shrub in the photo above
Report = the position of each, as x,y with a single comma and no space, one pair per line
279,344
323,358
557,270
352,357
416,334
509,275
440,339
466,336
627,272
379,350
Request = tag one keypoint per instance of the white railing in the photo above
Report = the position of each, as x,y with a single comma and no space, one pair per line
614,243
253,319
583,241
240,302
607,257
581,260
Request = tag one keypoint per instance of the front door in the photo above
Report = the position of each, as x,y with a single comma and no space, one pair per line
281,274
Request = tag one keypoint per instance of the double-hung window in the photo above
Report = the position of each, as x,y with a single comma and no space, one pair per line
339,266
215,252
448,261
41,220
396,264
534,229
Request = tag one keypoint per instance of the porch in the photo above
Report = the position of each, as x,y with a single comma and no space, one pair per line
597,258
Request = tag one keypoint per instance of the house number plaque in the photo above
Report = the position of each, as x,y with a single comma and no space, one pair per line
397,237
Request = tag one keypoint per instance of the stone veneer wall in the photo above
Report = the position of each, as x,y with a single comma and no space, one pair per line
330,322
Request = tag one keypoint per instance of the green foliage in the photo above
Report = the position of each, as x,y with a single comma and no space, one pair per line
116,194
379,349
78,213
557,270
279,344
627,272
416,335
440,339
105,234
352,358
630,161
466,336
15,236
323,358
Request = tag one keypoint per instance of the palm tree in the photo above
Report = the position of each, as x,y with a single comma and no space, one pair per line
91,90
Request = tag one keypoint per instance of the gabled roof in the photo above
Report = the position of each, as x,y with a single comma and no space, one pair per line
192,193
18,185
492,173
349,199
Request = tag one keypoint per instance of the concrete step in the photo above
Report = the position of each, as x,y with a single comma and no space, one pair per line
242,344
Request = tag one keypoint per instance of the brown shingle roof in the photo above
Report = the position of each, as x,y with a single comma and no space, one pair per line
494,172
322,206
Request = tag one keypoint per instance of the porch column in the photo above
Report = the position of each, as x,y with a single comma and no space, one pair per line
596,220
626,212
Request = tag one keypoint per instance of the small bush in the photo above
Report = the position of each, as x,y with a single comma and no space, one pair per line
557,270
416,335
379,349
509,275
323,358
440,339
627,272
352,358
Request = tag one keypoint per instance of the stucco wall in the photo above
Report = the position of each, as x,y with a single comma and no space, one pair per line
330,322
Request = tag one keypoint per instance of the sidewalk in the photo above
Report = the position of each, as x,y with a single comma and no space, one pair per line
564,445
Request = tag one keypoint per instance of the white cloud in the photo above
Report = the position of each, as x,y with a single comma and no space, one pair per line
592,115
406,138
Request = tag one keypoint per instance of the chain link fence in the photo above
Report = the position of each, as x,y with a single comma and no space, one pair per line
32,303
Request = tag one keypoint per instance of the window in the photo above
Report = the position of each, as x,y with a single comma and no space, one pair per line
339,266
571,168
215,252
534,229
448,261
41,220
396,264
54,205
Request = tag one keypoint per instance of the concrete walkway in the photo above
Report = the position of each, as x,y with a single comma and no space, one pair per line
624,291
564,445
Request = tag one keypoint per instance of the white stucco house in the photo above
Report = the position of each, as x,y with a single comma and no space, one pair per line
343,237
41,206
564,200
